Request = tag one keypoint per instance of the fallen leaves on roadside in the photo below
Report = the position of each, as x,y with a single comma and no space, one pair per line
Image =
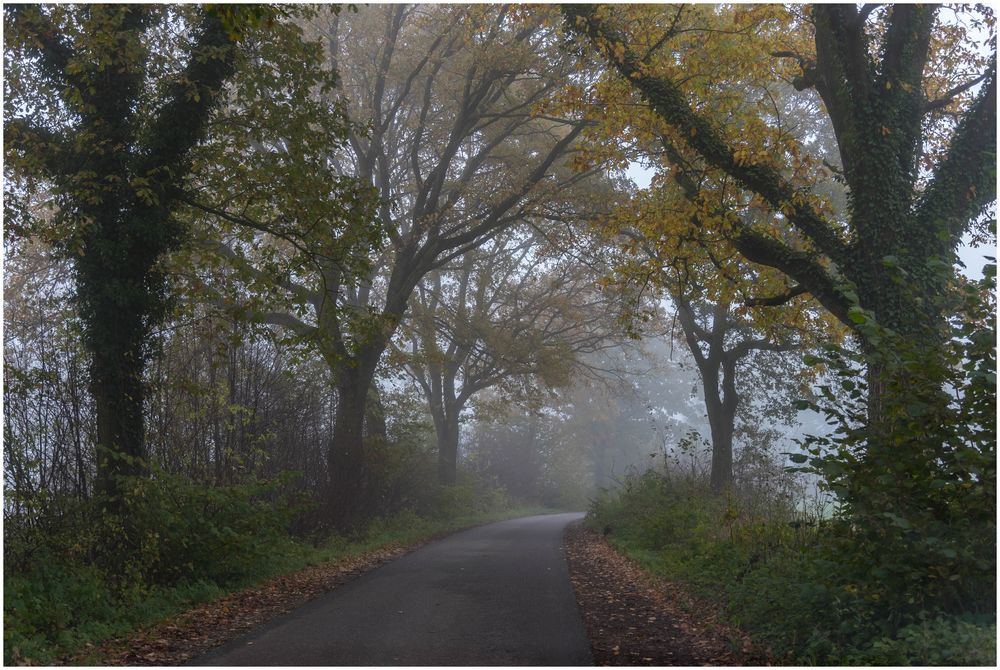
634,618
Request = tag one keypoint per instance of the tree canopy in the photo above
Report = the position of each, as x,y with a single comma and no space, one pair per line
281,280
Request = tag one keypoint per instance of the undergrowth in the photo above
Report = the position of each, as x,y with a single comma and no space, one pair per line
904,571
780,575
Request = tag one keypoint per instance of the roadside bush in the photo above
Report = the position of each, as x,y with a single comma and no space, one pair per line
943,640
44,605
181,530
915,535
74,574
786,581
469,496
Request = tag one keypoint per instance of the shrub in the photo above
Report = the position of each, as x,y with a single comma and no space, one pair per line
181,530
470,496
791,582
74,574
44,605
916,528
942,640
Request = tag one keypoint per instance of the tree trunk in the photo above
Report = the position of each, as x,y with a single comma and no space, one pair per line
721,398
375,427
445,412
348,480
721,419
447,437
917,332
350,495
116,384
722,452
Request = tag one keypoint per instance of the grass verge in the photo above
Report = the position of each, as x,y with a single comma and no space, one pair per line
779,580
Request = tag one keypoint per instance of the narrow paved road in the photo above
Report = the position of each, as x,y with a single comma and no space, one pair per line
493,595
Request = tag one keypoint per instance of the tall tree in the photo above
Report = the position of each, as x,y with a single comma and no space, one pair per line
706,329
879,71
726,343
454,144
102,115
728,333
505,314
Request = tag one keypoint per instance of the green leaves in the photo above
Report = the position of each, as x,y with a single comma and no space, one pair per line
239,20
918,487
857,315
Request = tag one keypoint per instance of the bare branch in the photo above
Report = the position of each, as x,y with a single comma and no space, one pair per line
952,93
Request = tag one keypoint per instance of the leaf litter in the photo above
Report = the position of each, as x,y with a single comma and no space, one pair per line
635,618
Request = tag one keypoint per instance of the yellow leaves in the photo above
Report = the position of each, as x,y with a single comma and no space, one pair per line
618,50
741,156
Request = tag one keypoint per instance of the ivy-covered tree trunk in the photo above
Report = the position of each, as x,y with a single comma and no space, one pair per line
118,391
117,164
889,373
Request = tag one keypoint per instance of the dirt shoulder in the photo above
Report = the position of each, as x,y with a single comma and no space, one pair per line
635,618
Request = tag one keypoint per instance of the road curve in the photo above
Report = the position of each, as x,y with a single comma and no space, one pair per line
494,595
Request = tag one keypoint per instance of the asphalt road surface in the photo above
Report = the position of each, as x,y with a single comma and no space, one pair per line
494,595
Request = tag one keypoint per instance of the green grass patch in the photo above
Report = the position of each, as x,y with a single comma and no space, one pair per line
778,577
